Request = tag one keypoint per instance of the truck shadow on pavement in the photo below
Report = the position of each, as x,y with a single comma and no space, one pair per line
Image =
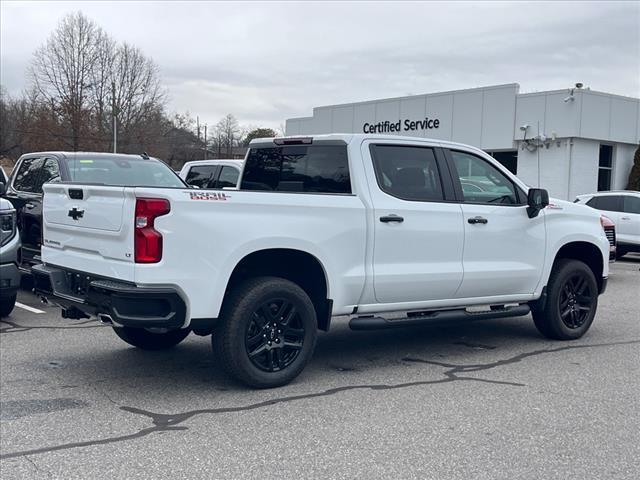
189,368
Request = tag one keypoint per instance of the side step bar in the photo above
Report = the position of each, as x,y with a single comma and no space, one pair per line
435,318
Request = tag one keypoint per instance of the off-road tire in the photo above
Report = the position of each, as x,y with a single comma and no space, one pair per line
245,318
548,317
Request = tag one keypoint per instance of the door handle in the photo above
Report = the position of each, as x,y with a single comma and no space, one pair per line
391,218
475,220
625,218
30,206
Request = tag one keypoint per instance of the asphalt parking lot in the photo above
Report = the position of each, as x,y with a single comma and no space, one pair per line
489,399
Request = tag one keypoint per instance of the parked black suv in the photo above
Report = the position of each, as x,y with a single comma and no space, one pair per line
24,188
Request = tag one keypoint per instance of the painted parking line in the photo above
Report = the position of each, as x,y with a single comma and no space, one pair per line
28,308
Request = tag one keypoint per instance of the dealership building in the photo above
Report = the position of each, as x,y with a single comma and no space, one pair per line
569,141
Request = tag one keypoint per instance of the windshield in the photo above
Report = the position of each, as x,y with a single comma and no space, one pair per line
125,171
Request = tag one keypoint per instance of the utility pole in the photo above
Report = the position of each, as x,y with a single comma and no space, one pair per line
114,113
205,142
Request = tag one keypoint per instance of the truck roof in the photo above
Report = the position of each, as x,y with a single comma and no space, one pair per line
89,155
349,137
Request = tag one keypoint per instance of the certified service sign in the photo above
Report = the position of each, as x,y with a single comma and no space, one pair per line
405,125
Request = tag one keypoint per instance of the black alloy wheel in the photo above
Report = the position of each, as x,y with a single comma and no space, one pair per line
569,308
576,300
275,335
267,332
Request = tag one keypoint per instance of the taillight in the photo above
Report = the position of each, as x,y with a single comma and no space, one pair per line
148,241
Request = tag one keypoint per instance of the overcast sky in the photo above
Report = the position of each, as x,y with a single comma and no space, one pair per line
265,62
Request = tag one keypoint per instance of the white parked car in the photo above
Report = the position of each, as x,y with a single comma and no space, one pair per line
358,225
623,207
212,174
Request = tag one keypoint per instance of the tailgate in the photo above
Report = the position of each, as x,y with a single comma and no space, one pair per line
89,228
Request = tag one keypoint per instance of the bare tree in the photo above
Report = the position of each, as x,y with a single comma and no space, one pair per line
85,79
136,90
101,92
62,70
227,134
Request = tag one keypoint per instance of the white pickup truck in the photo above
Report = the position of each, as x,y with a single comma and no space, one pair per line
359,225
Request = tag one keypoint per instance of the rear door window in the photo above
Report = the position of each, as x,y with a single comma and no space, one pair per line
407,172
202,176
28,176
610,203
298,168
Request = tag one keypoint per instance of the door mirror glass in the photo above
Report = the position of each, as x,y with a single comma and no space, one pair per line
537,199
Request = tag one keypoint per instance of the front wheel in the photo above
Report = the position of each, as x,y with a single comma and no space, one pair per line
268,332
152,338
572,299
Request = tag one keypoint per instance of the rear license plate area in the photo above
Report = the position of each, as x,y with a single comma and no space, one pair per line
78,284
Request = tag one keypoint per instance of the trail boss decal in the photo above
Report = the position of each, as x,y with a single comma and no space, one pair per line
209,196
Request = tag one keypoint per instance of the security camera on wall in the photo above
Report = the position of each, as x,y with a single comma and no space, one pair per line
568,99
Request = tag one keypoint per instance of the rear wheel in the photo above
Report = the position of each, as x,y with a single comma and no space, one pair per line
268,332
572,299
7,302
152,338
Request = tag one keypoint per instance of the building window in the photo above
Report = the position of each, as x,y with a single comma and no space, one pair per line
605,167
508,159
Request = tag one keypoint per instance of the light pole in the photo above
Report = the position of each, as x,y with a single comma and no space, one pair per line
204,157
114,114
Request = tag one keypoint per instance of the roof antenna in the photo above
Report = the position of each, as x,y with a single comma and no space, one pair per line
145,155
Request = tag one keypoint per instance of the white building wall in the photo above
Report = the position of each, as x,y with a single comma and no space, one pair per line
572,168
546,168
413,107
498,116
441,107
467,117
624,120
342,119
363,112
480,116
491,117
584,168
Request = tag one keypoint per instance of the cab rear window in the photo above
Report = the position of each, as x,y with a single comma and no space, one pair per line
125,171
298,168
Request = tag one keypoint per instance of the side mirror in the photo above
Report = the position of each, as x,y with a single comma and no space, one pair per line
3,188
537,199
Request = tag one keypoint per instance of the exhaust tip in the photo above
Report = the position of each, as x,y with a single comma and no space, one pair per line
104,318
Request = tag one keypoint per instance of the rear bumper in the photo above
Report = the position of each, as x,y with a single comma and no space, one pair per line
629,247
123,303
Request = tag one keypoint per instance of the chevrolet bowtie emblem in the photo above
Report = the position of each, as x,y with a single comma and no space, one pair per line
75,213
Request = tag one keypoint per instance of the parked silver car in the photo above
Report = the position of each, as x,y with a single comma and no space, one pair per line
9,256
